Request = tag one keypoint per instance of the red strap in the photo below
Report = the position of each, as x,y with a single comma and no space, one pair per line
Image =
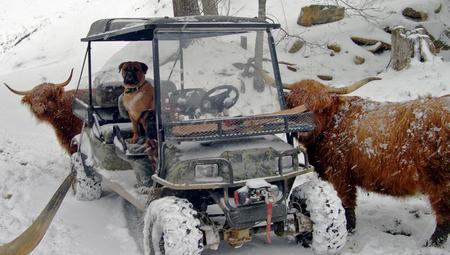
236,198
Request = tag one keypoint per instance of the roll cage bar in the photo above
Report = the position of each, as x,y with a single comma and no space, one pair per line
148,30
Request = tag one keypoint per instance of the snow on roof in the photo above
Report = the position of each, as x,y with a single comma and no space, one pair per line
136,29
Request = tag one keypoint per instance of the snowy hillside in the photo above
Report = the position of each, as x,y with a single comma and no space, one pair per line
40,41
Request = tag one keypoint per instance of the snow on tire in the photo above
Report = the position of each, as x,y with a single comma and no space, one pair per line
87,188
326,213
171,228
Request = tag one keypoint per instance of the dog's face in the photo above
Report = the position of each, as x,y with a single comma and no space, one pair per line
133,72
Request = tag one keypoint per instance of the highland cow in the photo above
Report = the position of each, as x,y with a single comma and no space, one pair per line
399,149
51,104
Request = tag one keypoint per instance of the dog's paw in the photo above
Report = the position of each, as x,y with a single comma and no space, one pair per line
133,140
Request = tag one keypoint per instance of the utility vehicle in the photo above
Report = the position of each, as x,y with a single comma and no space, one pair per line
222,163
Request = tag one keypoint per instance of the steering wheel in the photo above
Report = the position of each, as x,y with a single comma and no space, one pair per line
219,98
187,101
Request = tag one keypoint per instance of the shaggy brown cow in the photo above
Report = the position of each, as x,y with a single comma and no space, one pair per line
398,149
50,103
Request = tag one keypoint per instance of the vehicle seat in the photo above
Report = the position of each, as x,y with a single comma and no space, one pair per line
107,93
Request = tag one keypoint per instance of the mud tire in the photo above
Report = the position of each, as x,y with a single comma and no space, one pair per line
87,188
171,228
318,200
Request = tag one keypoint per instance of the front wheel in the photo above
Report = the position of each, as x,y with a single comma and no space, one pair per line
317,200
171,228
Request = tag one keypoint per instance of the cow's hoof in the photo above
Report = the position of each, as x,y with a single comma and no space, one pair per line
350,216
440,235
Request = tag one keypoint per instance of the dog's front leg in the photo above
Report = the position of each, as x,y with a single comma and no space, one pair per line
134,126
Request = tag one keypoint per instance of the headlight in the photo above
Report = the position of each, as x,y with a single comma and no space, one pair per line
286,162
207,173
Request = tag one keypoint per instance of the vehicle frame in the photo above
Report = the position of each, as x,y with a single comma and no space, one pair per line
237,218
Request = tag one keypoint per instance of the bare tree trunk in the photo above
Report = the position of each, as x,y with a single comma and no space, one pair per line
258,83
209,7
401,49
410,44
185,8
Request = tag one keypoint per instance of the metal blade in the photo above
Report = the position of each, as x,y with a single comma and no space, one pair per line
29,240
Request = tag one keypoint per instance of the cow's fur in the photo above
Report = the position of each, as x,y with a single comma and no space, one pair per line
398,149
51,104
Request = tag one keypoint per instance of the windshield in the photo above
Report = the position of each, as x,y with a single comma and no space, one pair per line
107,82
211,75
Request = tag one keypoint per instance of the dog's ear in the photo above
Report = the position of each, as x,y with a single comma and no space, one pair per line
144,67
121,65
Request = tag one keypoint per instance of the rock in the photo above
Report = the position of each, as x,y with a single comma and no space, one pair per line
320,14
438,10
325,77
412,14
334,47
359,60
378,48
239,66
438,44
298,45
292,68
363,41
374,46
7,196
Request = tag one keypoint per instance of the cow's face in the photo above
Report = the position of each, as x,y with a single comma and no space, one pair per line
317,99
44,100
310,93
322,100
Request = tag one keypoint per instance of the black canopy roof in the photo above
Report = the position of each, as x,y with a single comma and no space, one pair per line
140,29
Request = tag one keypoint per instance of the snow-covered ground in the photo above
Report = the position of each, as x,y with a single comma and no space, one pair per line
39,41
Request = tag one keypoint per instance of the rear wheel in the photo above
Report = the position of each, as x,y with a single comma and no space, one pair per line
87,187
318,201
171,228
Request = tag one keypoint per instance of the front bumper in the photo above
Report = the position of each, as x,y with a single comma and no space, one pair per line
217,185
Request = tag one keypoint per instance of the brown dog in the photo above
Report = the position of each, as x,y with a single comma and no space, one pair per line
137,94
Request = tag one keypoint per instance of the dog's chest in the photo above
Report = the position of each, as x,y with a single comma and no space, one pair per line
133,102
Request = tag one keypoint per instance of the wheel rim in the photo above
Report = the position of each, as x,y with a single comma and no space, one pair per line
304,238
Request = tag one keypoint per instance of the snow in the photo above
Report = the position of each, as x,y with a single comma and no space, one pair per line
40,41
257,183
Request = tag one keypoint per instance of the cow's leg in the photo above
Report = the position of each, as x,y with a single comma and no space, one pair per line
346,190
349,203
440,203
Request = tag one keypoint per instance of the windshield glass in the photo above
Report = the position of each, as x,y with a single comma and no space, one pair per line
107,82
211,75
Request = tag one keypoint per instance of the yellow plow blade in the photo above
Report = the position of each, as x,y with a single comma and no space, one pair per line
29,240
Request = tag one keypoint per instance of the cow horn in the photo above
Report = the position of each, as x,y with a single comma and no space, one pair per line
67,81
20,93
268,79
350,88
